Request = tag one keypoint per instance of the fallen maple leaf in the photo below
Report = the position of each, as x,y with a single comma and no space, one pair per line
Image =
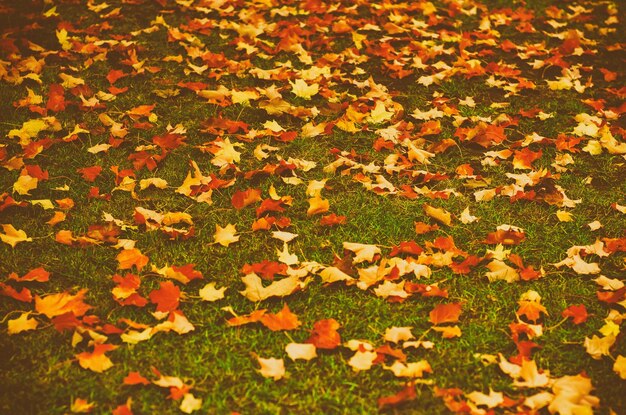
96,361
22,323
408,393
439,214
409,370
225,236
324,334
303,351
363,252
135,378
445,313
398,334
58,304
166,297
283,320
362,360
13,236
127,258
578,313
82,406
190,403
272,368
255,291
210,293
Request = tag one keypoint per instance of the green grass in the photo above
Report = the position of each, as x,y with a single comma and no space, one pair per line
38,369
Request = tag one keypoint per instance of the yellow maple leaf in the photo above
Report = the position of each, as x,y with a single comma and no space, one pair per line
81,406
286,257
448,332
334,274
225,236
210,293
439,214
303,90
564,216
572,396
302,351
379,114
362,360
255,291
24,184
619,366
597,347
391,289
190,403
363,252
317,205
13,236
272,368
22,323
490,401
498,270
398,334
410,370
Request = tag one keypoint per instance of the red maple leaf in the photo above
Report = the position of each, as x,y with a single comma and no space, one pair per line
578,313
166,297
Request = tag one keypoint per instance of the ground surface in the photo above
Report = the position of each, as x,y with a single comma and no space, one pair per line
312,207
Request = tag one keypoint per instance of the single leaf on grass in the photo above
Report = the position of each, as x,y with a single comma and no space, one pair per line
449,332
13,236
246,197
22,323
82,406
96,361
363,252
619,366
578,313
303,351
439,214
398,334
406,394
333,220
125,408
36,274
283,320
225,236
210,293
272,368
597,347
492,400
324,334
445,313
362,360
127,258
190,403
410,370
166,297
135,378
317,205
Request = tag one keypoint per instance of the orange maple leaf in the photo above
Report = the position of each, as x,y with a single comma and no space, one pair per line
445,313
96,361
129,257
283,320
324,334
57,304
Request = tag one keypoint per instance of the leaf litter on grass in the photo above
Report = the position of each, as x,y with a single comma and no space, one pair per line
163,107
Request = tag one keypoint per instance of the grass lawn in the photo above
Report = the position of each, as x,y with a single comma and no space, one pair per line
284,207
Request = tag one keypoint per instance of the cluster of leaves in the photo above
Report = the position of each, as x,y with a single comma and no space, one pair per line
286,109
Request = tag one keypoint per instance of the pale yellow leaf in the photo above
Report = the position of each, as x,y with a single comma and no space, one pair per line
210,293
225,236
272,368
303,351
